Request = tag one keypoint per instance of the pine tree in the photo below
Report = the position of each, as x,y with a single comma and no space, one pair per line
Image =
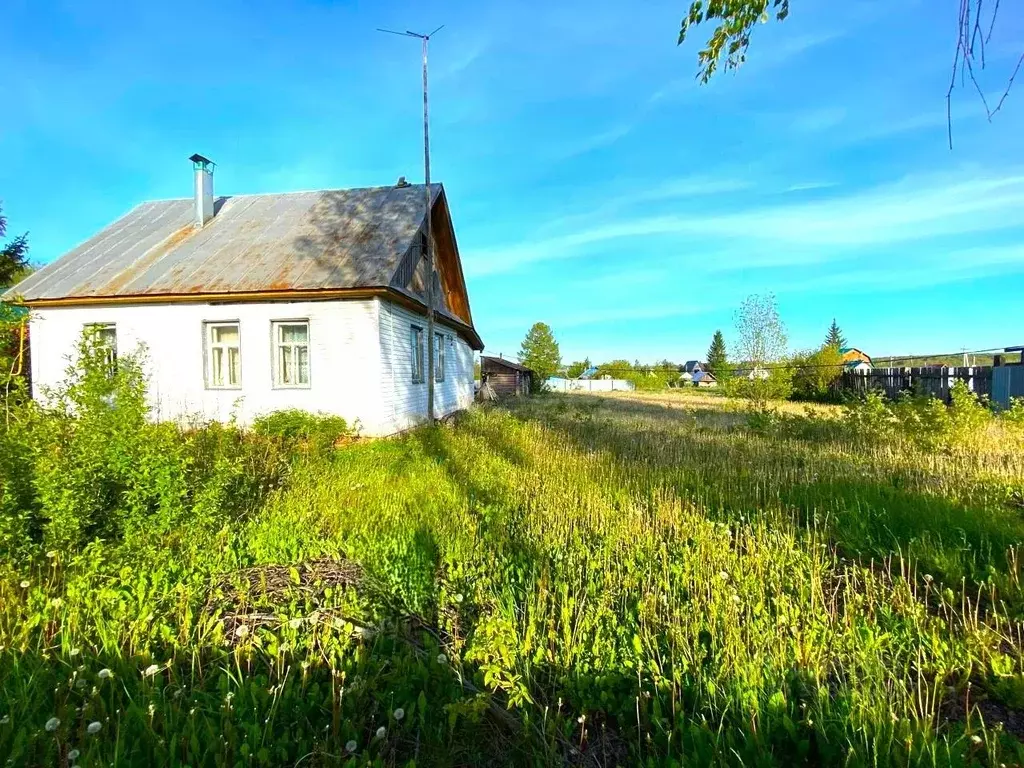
835,336
539,352
13,257
716,358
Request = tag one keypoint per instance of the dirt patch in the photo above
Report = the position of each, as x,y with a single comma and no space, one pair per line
271,582
244,600
596,743
956,707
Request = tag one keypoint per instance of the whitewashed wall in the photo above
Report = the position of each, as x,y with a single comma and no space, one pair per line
351,374
404,402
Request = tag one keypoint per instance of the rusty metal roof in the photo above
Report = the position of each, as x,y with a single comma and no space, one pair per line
486,360
330,239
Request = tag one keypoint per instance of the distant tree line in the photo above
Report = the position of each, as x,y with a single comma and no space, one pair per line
762,368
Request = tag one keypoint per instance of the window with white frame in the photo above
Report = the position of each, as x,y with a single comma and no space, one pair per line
291,353
438,357
223,356
105,337
416,353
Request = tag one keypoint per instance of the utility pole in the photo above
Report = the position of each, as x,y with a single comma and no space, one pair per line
428,247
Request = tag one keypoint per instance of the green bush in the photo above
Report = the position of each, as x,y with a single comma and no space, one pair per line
815,374
87,463
291,425
926,421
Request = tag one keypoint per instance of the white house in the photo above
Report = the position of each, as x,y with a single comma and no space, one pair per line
252,303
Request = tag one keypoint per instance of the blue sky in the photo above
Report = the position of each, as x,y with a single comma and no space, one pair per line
594,184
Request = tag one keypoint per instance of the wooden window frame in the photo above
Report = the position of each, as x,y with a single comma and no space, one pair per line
208,347
416,354
439,358
276,344
98,329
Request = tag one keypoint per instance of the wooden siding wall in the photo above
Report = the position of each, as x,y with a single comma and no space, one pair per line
505,382
453,285
404,401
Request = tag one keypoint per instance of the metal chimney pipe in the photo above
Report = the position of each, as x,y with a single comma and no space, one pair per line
203,168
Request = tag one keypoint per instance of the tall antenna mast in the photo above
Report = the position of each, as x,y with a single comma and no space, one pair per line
429,246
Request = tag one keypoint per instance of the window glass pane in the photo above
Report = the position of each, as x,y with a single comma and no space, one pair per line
303,361
234,367
217,367
286,372
108,336
439,357
294,333
416,350
225,334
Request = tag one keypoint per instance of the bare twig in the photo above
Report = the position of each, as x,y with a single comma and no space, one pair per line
992,24
1009,85
970,47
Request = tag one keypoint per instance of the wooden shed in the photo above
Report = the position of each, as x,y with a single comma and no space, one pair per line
504,378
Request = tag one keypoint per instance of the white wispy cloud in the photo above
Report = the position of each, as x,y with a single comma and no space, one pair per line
938,268
913,209
589,143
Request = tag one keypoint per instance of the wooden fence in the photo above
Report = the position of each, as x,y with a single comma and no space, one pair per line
935,381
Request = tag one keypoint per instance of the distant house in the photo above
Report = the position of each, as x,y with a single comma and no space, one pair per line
503,378
692,366
703,378
752,373
852,353
856,365
590,373
255,303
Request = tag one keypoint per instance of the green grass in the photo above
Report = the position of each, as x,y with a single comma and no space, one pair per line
644,579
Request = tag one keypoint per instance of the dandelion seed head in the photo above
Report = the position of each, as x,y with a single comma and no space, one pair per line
104,674
723,575
975,739
459,598
73,755
25,584
399,713
381,732
351,746
52,724
51,554
151,670
94,727
442,659
241,631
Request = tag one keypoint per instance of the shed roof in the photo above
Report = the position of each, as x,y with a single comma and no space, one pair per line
505,363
